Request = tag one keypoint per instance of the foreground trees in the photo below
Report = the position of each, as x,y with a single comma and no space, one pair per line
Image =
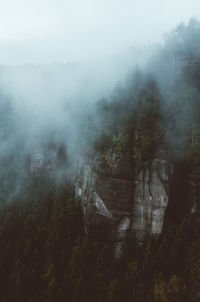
44,256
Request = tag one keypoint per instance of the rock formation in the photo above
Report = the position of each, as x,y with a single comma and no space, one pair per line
123,195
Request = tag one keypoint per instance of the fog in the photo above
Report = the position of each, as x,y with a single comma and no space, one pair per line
50,102
66,31
58,58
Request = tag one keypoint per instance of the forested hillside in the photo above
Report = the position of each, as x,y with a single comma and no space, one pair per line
49,251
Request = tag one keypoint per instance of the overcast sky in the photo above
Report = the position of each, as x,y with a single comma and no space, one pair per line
74,30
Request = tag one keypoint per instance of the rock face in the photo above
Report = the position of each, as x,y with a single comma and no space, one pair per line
37,162
44,160
106,194
121,195
150,199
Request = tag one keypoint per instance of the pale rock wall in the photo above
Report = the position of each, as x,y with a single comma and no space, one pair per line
150,199
124,196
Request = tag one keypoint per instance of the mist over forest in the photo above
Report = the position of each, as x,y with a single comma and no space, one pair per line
99,174
76,104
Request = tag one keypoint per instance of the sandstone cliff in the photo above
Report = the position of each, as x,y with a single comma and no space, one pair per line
121,194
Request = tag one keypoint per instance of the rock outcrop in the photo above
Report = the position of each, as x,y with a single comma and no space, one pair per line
150,199
46,159
121,194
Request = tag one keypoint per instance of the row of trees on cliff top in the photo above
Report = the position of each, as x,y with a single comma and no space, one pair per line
157,109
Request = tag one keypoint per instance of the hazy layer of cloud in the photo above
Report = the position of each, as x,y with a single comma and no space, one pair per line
65,30
45,103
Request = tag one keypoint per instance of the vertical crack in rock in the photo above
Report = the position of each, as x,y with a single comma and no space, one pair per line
113,197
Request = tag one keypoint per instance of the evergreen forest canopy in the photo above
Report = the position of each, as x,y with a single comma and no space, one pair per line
44,253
